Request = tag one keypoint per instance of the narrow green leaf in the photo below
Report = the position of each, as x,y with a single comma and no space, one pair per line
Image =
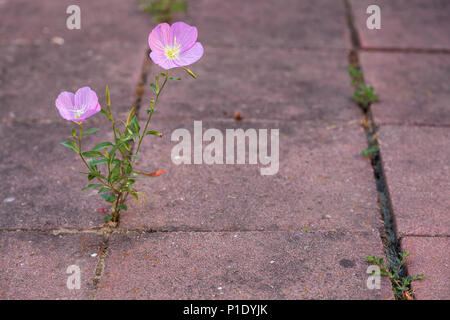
92,154
92,185
153,86
70,145
109,198
155,133
85,133
122,207
109,217
190,72
108,98
107,115
104,189
96,162
102,146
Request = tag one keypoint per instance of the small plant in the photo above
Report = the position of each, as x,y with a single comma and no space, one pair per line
401,284
356,75
162,10
111,163
364,95
370,151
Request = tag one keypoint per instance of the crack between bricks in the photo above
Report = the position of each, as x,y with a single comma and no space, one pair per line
405,50
100,267
390,239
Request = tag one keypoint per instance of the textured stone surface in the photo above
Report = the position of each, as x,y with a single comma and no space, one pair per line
241,265
271,23
35,69
431,257
321,173
34,264
261,84
405,24
413,88
416,164
41,187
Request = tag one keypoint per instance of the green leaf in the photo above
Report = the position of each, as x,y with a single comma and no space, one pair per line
153,86
171,78
109,217
70,145
102,145
135,196
92,185
85,133
179,6
108,98
190,72
131,114
114,174
369,151
122,207
96,162
107,115
135,125
108,197
92,154
155,133
104,189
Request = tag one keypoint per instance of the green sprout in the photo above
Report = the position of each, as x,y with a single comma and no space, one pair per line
162,10
401,284
370,151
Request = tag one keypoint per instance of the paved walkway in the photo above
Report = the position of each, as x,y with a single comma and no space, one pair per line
225,231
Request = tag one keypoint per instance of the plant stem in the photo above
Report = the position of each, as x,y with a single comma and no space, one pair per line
84,160
152,108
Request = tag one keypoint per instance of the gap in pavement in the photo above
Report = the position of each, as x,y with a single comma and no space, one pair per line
391,241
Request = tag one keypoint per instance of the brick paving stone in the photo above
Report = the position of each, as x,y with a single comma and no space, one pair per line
321,173
405,24
413,88
431,257
260,84
34,264
415,161
241,265
41,186
272,24
34,69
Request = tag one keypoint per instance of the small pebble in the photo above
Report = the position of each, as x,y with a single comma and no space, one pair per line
9,199
93,255
58,40
327,216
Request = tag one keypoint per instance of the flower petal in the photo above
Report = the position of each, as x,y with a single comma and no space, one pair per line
90,112
85,98
184,35
189,57
65,103
160,36
160,59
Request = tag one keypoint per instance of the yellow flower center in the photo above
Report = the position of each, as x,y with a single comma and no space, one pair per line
172,52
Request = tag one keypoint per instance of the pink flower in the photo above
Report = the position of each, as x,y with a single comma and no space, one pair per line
79,106
174,46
